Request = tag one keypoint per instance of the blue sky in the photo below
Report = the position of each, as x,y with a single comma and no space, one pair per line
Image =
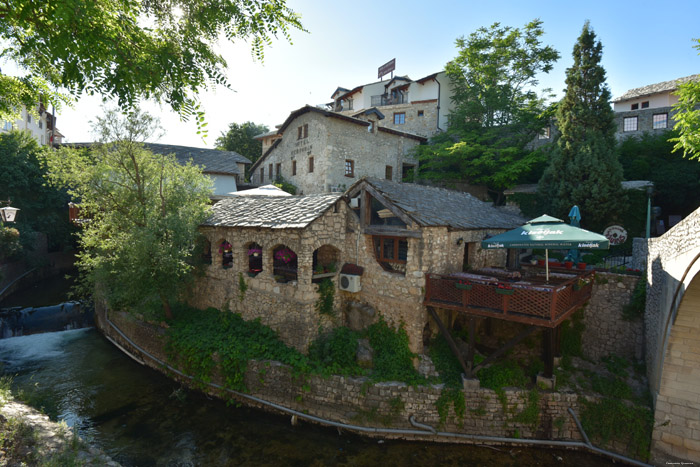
644,42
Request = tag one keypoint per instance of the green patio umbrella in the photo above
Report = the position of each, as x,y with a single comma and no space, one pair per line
547,232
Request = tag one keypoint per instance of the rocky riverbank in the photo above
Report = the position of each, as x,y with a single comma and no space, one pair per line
27,437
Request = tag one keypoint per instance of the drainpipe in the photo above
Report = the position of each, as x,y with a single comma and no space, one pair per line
424,430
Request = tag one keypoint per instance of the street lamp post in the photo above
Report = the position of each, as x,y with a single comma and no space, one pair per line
650,190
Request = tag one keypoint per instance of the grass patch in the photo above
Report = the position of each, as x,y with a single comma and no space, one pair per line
612,419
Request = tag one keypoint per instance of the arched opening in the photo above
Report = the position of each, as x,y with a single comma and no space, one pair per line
255,259
226,252
325,262
284,263
680,378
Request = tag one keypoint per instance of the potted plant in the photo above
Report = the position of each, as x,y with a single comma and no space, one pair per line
285,255
463,285
254,252
581,265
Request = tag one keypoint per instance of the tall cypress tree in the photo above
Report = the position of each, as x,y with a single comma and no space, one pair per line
584,169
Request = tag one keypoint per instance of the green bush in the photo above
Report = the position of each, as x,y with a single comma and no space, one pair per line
195,337
393,361
335,353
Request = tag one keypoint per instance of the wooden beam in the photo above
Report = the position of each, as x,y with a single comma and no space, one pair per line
449,340
391,231
472,344
506,347
548,351
389,205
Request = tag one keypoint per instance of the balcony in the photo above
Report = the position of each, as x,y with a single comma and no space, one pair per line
530,301
384,99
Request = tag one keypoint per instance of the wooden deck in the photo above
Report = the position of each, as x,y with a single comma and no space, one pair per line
531,300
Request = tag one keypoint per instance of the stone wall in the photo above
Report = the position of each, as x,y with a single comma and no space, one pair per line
425,125
644,121
355,401
606,332
399,297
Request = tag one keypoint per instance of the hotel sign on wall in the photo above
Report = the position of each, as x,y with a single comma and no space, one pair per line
387,68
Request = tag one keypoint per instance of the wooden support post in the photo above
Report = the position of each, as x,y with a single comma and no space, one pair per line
506,347
489,326
472,344
548,351
557,341
449,340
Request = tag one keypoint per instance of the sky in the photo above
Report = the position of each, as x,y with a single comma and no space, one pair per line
644,42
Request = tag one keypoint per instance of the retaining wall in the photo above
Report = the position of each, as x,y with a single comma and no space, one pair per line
355,401
606,332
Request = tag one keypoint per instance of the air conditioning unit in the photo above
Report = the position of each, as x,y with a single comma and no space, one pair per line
350,283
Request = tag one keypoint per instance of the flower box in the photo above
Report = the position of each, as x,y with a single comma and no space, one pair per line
500,291
322,275
461,286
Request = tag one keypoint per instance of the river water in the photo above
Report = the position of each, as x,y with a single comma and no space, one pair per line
141,418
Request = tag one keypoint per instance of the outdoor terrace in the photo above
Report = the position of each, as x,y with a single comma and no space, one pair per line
524,297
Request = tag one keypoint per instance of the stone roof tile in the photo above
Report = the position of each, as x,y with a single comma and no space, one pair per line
433,207
275,212
656,88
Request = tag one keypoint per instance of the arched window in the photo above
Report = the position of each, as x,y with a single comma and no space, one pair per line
226,252
325,262
284,262
255,259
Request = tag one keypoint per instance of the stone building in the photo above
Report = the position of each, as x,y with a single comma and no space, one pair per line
376,243
421,107
649,108
322,151
639,110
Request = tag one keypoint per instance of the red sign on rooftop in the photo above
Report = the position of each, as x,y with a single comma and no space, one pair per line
387,68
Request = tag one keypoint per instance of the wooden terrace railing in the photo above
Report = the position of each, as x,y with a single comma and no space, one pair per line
533,301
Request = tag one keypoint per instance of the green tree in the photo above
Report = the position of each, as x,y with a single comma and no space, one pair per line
497,110
42,208
584,169
144,210
676,179
494,75
688,117
241,138
129,50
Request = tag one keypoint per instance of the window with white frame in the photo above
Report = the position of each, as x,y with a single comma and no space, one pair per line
629,124
544,134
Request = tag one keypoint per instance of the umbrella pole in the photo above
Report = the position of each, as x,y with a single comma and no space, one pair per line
546,263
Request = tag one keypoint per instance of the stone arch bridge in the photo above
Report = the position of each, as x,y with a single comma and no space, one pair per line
672,337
